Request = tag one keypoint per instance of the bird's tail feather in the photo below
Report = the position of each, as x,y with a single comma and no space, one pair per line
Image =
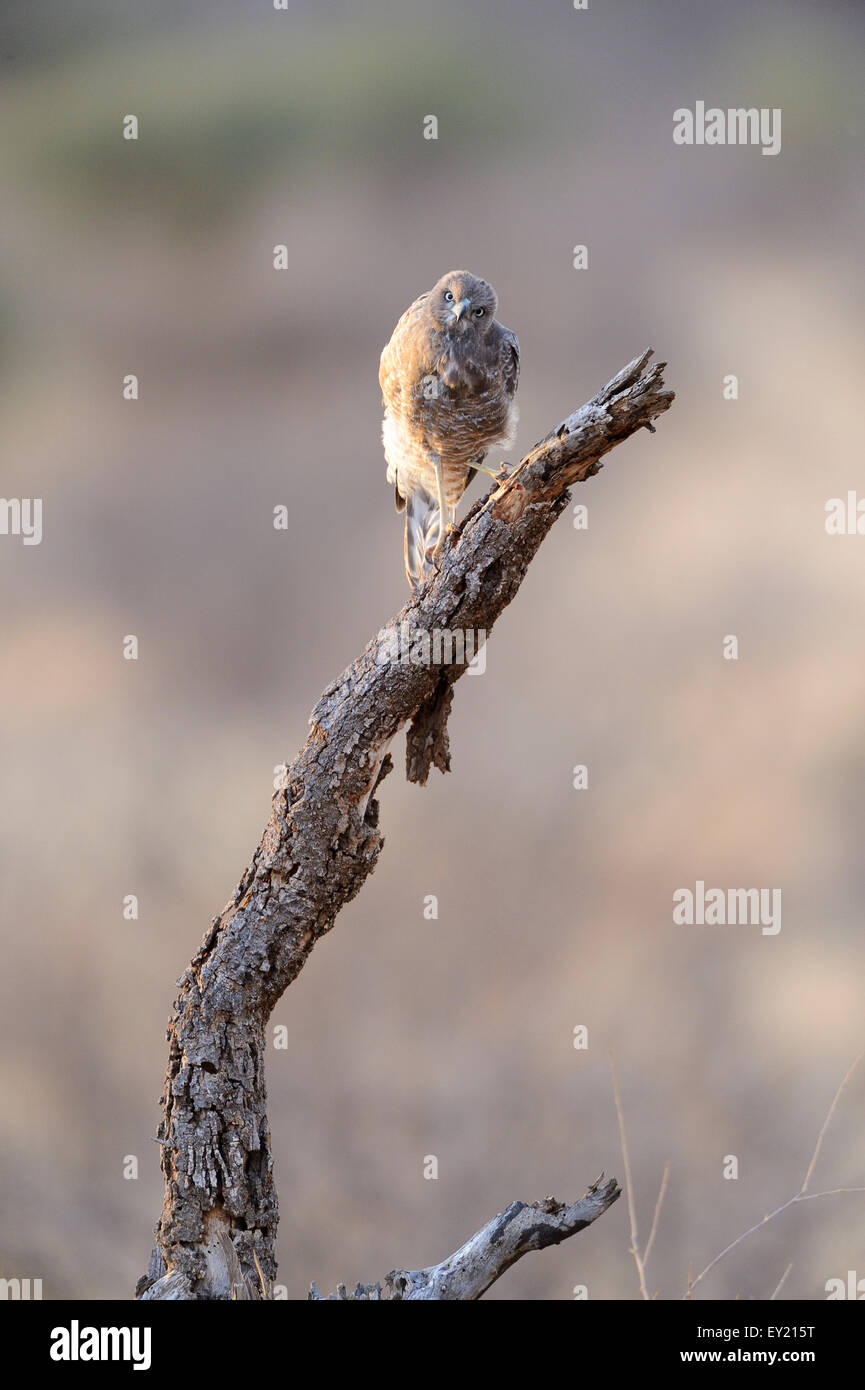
421,531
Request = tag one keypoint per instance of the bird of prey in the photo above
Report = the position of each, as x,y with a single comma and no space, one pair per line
448,378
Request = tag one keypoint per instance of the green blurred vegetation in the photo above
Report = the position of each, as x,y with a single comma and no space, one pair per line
217,118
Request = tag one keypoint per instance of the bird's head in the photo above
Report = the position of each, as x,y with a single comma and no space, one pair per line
461,301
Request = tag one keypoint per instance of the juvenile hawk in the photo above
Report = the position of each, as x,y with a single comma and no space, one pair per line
448,378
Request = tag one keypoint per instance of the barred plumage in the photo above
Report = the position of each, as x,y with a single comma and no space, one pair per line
448,378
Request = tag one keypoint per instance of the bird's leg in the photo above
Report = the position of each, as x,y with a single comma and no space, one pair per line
440,485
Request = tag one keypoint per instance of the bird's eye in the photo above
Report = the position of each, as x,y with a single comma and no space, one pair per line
479,313
448,296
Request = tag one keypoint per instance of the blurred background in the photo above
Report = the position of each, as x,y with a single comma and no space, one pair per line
451,1037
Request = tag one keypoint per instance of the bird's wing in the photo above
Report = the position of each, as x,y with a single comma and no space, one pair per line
387,375
398,351
510,361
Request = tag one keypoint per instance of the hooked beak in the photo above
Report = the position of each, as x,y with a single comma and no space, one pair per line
462,307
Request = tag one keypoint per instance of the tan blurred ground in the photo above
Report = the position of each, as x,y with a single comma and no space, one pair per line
451,1037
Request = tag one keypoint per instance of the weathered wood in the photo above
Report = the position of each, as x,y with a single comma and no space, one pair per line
319,846
469,1272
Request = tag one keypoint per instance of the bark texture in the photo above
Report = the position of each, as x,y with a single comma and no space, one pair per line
319,846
